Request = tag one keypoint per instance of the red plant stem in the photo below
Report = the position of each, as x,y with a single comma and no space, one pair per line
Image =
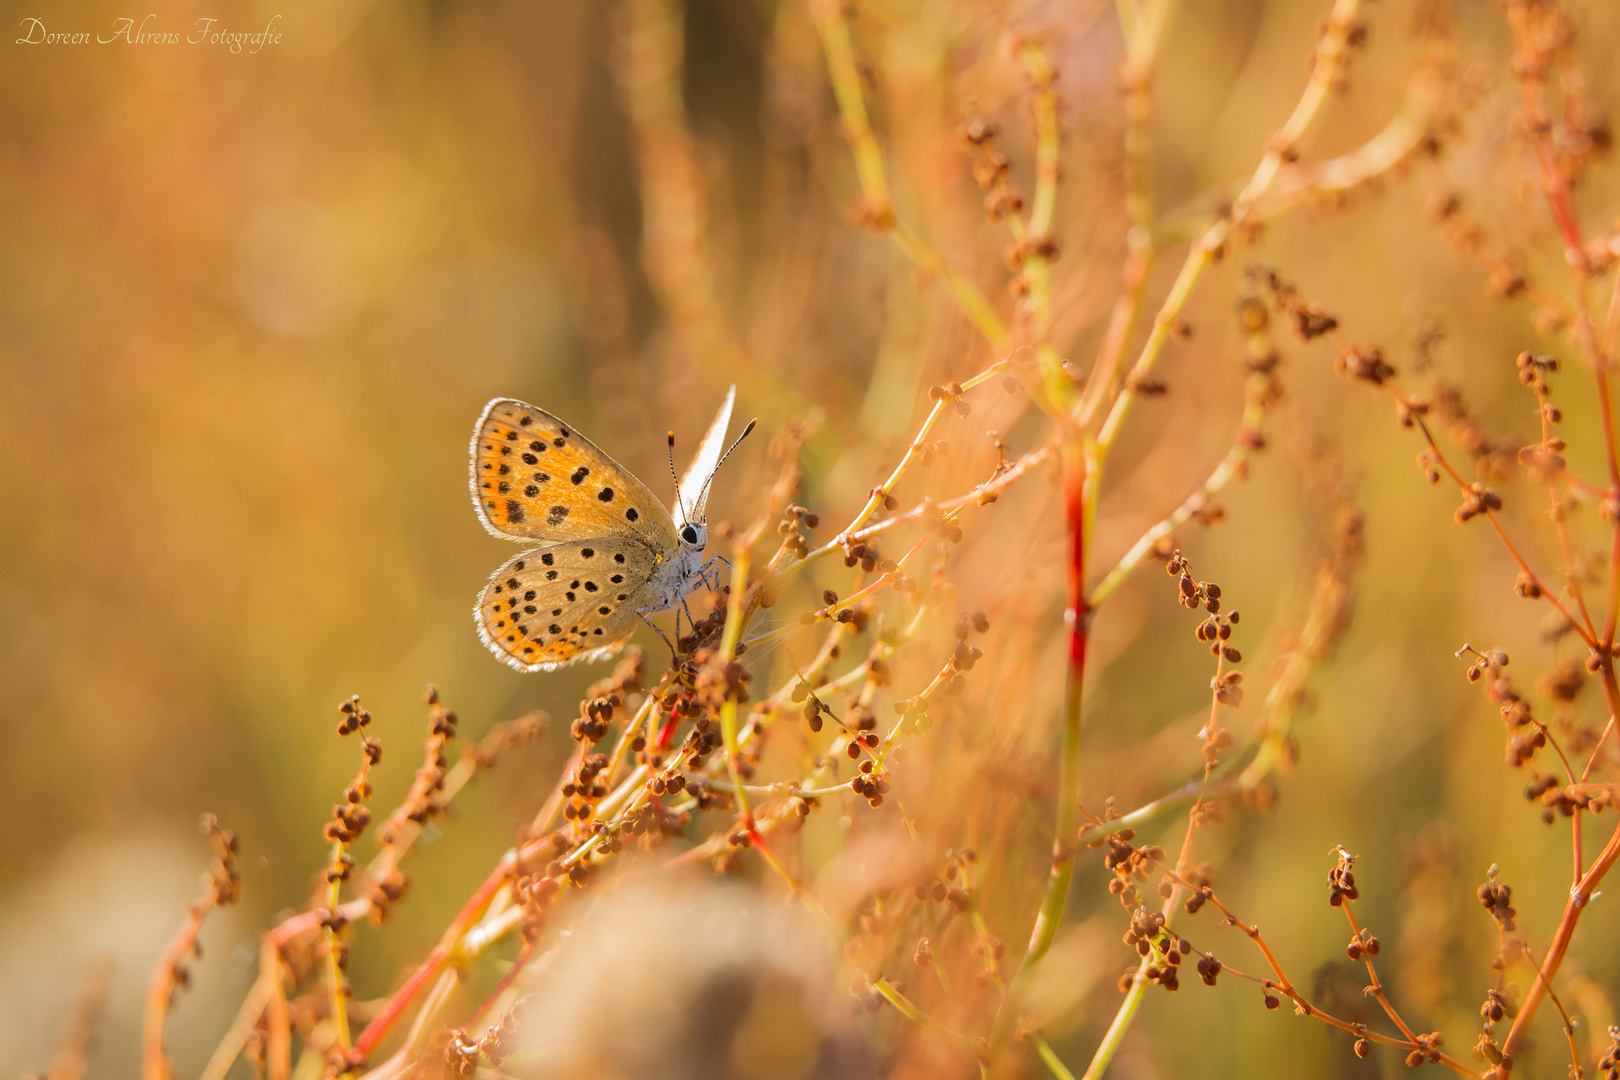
1376,989
160,989
429,969
1077,618
1579,897
501,986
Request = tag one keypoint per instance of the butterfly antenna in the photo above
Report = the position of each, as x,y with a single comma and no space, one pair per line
675,478
703,494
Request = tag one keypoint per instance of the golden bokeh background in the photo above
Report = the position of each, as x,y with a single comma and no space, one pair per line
253,302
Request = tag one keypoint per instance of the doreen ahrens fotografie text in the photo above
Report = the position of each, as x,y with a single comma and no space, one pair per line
130,31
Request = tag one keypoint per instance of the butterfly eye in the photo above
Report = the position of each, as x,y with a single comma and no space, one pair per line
689,534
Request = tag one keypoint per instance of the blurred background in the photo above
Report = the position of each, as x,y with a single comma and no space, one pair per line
253,303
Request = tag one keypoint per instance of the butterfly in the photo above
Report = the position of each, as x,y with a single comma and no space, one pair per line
608,552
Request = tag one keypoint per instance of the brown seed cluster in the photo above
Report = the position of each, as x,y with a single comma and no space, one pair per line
1493,456
1544,458
351,816
718,679
1428,1049
1364,363
1478,499
221,887
1128,864
423,803
953,393
1497,899
1609,1064
224,883
1149,936
1526,734
1559,799
1342,880
606,695
872,783
1215,631
584,788
537,893
991,168
953,884
794,518
1363,943
1309,321
868,558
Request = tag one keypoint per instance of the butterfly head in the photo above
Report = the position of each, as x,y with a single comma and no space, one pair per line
694,535
693,506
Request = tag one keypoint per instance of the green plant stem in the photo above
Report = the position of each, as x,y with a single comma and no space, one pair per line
334,974
1077,615
1049,1056
1330,55
839,48
1115,1034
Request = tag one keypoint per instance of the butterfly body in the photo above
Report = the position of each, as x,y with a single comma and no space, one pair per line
609,554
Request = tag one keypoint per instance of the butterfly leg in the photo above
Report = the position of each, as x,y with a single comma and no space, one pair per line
704,570
675,657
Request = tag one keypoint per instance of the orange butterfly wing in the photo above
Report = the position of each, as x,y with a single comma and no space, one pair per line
535,478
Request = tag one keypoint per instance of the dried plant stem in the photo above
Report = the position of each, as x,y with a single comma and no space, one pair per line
1035,234
278,1025
400,1001
880,983
874,501
1139,983
253,1006
1579,897
1144,32
1569,1023
869,167
266,992
334,971
678,255
1376,988
1285,986
1005,475
223,886
73,1053
1330,57
160,990
1532,63
1496,523
911,1012
740,557
1275,729
1232,465
1077,616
